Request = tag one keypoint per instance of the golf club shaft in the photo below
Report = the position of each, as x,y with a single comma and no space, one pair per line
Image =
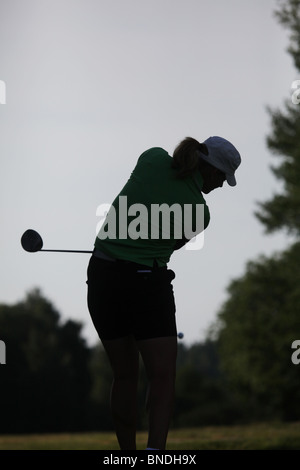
67,251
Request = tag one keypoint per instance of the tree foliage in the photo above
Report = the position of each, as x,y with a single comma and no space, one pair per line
45,384
53,382
288,14
257,326
202,395
282,211
260,319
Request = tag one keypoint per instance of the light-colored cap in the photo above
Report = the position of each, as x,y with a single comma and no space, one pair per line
222,155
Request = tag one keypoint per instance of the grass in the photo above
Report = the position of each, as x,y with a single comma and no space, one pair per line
275,436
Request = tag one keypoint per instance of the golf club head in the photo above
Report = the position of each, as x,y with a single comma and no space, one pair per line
31,241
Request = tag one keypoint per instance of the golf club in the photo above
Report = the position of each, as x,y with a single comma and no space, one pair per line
32,242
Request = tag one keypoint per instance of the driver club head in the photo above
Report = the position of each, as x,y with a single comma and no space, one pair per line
31,241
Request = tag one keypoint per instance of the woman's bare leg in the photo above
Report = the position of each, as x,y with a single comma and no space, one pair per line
124,358
159,357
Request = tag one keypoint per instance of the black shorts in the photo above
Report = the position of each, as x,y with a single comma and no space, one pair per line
125,300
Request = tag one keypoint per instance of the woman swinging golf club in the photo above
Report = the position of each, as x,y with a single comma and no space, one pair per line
130,293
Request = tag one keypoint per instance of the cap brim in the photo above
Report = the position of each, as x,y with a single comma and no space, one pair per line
231,180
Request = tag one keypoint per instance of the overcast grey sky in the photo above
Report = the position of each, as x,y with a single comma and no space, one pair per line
90,85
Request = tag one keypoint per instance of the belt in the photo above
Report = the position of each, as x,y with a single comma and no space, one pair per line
142,268
101,255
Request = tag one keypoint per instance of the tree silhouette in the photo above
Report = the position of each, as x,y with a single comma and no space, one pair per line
45,383
260,320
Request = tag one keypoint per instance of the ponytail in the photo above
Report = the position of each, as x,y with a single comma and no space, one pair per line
186,157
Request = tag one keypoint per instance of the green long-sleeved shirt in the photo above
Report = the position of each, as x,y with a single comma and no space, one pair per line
153,211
